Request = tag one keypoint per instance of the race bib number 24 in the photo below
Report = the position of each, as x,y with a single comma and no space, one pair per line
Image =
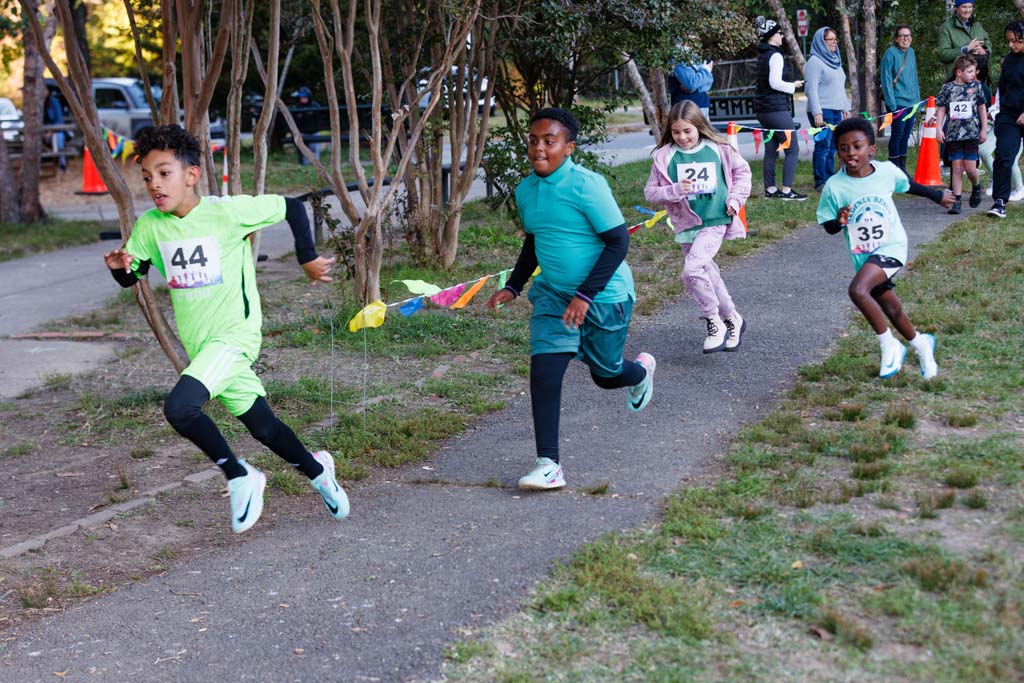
702,176
192,262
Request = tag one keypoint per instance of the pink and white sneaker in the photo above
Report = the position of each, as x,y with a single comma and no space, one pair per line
545,476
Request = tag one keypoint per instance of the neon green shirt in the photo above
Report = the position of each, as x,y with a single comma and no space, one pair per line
207,262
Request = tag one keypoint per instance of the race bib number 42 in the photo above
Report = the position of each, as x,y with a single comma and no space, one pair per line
961,110
192,263
702,176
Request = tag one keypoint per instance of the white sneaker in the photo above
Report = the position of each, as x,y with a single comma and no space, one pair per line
892,359
328,487
638,396
1017,195
246,497
546,475
735,325
929,368
717,332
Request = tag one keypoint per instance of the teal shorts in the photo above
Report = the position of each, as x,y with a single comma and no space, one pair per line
227,374
598,342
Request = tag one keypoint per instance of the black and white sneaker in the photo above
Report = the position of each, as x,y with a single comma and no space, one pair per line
792,196
975,199
772,194
998,209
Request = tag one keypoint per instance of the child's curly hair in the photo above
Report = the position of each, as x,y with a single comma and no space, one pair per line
171,137
568,121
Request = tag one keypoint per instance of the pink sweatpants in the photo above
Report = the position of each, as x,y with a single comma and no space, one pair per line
701,275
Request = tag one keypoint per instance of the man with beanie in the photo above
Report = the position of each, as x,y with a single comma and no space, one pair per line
962,34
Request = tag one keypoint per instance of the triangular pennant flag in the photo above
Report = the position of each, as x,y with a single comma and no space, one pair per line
128,151
807,140
757,139
447,297
913,112
371,316
502,279
886,122
644,210
768,138
785,143
535,271
420,287
633,228
655,218
411,306
470,293
739,128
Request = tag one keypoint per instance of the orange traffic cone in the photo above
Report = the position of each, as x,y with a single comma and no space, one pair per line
732,136
92,183
927,171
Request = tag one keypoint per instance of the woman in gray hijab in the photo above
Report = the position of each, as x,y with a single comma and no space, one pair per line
827,102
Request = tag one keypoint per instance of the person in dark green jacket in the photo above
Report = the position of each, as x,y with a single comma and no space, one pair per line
961,34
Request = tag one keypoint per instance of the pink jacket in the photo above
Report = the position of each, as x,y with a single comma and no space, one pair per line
661,190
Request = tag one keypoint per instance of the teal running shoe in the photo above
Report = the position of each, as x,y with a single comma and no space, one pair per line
246,497
638,396
327,486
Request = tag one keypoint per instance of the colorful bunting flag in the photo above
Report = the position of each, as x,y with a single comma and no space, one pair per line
768,138
807,140
411,306
785,143
446,297
371,316
913,112
420,287
886,122
757,139
470,293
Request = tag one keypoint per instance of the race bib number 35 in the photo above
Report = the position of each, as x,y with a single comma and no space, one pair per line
702,176
192,263
867,232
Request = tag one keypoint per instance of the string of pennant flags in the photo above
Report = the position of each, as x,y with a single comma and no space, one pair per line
766,134
454,296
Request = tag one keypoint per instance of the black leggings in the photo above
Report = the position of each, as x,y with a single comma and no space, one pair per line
546,373
184,411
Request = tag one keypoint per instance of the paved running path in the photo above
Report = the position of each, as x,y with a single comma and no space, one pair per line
377,597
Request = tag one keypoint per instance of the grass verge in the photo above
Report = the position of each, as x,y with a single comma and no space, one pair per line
18,240
857,533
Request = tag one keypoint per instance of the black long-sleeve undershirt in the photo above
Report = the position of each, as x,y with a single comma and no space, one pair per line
616,246
298,222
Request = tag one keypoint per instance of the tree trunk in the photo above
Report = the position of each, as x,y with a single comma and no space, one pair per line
853,72
262,129
77,90
870,58
787,33
646,101
33,94
241,36
79,17
169,100
154,112
10,207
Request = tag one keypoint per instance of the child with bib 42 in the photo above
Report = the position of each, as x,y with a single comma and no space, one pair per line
200,245
703,183
965,127
857,201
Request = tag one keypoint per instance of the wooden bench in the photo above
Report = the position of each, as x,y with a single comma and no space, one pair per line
49,160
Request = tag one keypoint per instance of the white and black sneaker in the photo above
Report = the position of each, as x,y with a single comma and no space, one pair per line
717,334
792,196
998,209
246,495
772,194
546,475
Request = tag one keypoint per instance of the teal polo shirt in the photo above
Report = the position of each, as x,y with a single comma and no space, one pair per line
565,212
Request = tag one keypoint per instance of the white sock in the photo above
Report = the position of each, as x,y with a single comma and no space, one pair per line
886,338
773,189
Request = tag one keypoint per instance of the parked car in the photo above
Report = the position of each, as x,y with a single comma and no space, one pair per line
122,107
481,101
10,119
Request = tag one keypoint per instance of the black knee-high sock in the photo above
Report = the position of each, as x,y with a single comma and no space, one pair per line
184,410
632,374
278,437
546,373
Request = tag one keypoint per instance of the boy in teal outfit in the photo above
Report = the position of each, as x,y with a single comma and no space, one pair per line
200,246
583,296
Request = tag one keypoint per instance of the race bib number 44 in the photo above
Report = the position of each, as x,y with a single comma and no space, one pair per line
192,263
702,176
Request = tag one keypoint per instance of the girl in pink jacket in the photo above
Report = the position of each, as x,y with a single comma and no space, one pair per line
703,183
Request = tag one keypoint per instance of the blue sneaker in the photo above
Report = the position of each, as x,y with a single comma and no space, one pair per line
638,396
892,359
246,497
327,486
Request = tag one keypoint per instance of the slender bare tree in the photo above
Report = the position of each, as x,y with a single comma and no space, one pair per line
852,68
76,87
241,36
870,59
33,95
787,31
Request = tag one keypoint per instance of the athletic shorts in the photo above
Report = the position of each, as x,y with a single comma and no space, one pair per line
227,374
890,266
598,342
966,150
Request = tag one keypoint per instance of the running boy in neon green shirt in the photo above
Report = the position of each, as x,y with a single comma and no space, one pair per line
200,246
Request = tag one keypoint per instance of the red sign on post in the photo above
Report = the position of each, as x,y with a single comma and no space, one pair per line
801,23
